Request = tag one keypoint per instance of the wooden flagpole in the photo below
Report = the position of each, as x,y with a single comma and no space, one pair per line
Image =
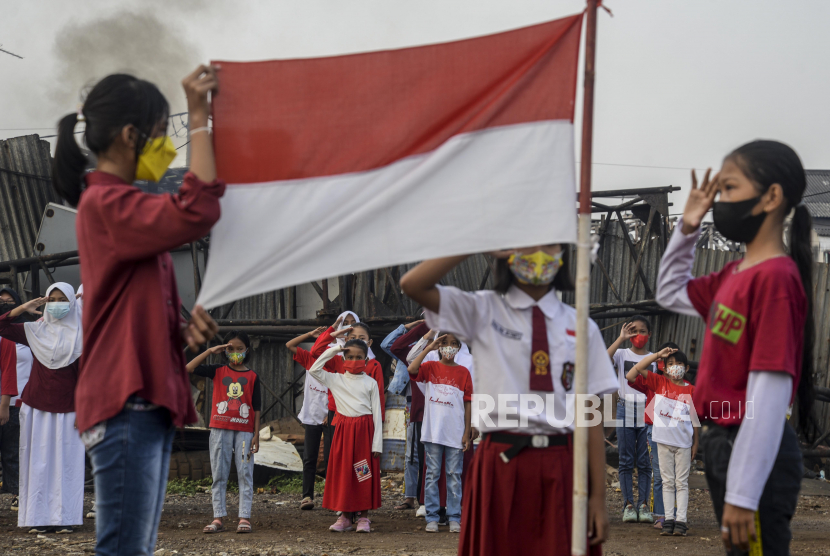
579,538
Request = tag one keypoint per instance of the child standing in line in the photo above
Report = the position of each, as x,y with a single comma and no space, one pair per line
519,497
657,511
312,414
234,425
632,434
758,349
446,428
354,468
673,432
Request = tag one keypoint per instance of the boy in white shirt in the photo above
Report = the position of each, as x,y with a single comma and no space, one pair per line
632,435
445,432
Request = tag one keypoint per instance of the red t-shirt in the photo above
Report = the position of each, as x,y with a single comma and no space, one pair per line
755,322
236,397
640,385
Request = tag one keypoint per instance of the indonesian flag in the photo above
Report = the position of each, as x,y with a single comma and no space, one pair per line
348,163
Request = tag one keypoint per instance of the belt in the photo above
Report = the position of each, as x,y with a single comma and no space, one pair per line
519,442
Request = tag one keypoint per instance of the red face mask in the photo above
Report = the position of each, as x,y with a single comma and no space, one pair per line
661,366
639,341
355,367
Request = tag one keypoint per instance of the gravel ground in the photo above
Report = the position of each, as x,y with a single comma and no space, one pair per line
281,528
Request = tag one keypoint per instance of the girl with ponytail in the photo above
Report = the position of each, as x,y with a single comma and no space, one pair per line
758,350
133,389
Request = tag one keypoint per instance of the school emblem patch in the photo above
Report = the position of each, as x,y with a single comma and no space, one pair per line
541,363
567,376
362,470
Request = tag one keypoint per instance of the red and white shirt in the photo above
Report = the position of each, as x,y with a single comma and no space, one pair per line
445,388
670,411
236,397
315,393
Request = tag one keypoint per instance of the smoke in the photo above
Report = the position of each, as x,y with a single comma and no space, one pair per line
126,42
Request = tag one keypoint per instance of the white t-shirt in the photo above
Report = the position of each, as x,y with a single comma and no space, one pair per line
445,389
315,395
499,330
624,361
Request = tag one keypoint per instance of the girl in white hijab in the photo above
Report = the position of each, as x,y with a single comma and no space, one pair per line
346,320
51,452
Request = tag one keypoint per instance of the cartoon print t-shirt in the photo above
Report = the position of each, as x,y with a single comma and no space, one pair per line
236,396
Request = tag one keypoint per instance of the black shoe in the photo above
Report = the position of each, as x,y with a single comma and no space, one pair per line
15,504
680,529
668,528
442,517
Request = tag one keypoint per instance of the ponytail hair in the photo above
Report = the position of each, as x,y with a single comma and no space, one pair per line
765,163
116,101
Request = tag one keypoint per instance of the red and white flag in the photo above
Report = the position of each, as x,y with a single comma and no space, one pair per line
343,164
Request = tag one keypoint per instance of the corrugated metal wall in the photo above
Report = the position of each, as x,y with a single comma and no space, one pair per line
23,197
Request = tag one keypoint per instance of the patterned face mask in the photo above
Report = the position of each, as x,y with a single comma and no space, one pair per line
676,371
538,269
236,357
448,352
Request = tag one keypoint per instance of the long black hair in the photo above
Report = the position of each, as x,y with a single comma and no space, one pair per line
563,281
765,163
116,101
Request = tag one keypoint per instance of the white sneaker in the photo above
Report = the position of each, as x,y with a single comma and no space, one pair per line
91,513
432,527
422,511
455,527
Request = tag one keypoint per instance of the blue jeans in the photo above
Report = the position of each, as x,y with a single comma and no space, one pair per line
226,445
657,490
454,464
633,448
410,477
130,466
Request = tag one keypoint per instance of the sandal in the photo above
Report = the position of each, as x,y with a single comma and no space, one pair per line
407,505
244,526
307,504
215,527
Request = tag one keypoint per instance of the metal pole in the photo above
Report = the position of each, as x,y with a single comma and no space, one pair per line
579,537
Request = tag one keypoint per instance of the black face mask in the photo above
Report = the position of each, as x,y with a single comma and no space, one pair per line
736,222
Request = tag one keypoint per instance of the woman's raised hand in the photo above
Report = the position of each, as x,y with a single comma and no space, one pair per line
700,201
196,86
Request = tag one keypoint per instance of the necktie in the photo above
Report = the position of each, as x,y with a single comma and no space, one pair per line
540,378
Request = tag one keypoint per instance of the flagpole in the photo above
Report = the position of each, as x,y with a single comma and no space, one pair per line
579,535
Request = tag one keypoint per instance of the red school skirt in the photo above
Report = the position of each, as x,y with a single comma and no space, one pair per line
529,498
353,477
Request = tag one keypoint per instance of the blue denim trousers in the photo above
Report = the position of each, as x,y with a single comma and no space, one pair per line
657,488
632,442
130,466
454,464
410,477
226,445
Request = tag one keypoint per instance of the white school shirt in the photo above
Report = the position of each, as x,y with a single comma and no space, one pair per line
624,361
498,328
355,395
445,389
24,369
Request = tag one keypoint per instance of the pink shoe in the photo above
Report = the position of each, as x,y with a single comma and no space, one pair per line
363,525
342,525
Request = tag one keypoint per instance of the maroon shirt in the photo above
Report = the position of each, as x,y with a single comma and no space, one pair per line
132,342
51,390
400,349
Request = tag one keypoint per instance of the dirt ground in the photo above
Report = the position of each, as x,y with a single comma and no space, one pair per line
281,528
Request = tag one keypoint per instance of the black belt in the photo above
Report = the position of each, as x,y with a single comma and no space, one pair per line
519,442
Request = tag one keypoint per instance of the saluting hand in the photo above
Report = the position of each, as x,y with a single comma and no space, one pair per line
317,331
627,332
216,350
342,333
665,352
411,325
31,306
700,201
436,343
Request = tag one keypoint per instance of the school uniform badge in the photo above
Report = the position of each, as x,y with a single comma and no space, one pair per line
362,470
567,376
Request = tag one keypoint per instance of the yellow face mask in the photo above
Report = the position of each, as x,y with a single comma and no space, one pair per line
538,269
155,159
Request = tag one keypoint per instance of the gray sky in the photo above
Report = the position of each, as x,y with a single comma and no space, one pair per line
679,84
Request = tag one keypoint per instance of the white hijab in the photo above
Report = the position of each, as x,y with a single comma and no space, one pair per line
342,341
57,343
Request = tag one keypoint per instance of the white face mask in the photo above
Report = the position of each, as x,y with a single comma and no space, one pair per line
449,352
676,371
